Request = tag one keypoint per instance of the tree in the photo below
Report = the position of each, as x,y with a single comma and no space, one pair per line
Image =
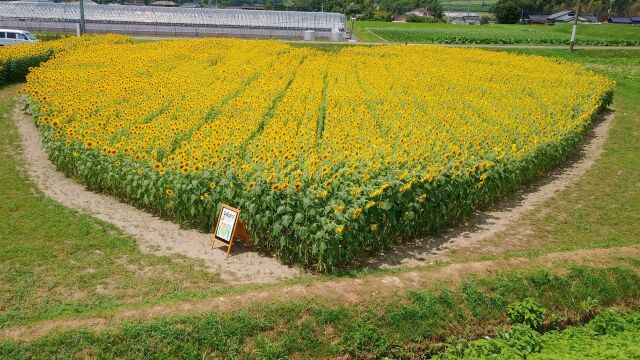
398,6
434,6
352,9
300,5
507,11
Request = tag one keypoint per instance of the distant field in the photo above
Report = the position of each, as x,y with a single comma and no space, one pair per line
463,5
602,34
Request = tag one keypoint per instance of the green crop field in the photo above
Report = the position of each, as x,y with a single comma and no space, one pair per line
602,34
471,5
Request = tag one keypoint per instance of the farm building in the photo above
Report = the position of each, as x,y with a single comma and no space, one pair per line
463,18
624,20
538,19
169,21
418,12
562,17
570,15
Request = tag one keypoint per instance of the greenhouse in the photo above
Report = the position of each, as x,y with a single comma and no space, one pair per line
150,20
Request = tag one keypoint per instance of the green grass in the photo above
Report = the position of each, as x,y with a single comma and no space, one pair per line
603,34
610,335
409,325
55,261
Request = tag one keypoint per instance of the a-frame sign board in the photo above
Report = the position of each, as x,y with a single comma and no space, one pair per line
228,227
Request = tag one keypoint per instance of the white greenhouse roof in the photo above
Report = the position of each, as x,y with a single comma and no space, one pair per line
150,15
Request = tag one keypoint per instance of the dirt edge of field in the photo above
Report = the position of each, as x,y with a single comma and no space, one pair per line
336,292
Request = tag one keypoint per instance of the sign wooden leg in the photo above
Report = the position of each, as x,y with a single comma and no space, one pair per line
229,247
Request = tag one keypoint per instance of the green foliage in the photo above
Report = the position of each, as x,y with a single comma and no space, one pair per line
482,306
507,11
421,318
420,19
363,339
608,322
609,335
481,6
404,328
526,312
516,343
597,35
434,6
15,70
267,350
398,6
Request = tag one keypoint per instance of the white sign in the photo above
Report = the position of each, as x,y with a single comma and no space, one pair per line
226,224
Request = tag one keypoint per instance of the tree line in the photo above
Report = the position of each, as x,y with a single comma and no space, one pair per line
511,11
505,11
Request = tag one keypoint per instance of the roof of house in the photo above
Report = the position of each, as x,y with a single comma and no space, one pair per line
590,18
163,3
422,12
620,20
561,14
539,18
635,19
450,14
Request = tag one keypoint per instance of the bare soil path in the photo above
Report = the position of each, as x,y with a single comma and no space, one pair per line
339,292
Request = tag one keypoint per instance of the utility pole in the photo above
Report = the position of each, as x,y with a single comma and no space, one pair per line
575,25
82,23
353,21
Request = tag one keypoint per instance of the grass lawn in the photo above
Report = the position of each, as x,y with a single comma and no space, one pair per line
57,263
409,325
559,34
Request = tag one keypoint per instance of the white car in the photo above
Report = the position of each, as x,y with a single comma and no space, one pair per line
13,37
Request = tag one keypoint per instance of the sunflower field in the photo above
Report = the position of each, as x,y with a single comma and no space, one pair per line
16,61
331,156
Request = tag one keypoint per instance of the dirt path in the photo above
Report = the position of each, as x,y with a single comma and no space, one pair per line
339,292
153,235
497,218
